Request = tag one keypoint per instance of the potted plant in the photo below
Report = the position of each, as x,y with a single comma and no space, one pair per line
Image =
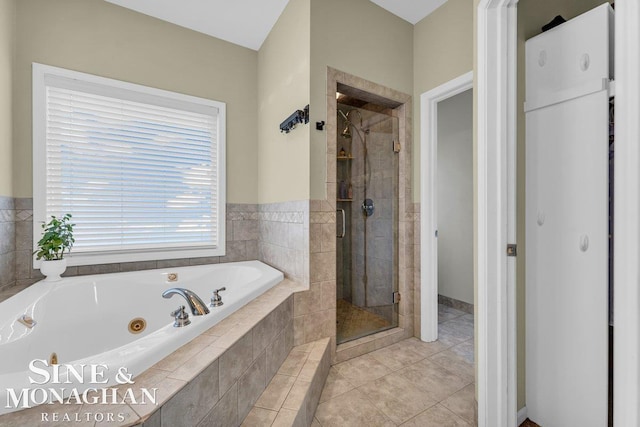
57,238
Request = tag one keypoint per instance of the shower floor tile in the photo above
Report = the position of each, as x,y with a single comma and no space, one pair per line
354,322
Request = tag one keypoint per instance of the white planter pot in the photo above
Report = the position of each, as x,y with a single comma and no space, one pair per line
53,269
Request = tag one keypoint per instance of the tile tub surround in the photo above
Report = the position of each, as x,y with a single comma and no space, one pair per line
7,242
298,238
218,375
283,238
275,233
242,231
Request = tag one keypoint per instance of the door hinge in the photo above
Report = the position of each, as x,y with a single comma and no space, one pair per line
396,297
512,249
396,146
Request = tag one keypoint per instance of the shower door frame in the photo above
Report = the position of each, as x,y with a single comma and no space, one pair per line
401,103
367,140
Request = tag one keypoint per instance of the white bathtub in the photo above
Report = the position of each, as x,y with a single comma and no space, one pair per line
85,320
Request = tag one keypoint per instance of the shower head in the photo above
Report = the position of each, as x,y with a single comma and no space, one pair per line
346,133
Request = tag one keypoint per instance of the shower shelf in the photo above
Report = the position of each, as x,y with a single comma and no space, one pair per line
345,200
345,158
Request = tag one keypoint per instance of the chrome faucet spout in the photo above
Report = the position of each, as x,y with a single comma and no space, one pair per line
198,308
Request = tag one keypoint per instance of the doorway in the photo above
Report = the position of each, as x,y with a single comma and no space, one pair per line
455,204
430,200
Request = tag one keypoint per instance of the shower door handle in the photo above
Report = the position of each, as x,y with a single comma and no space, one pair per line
344,224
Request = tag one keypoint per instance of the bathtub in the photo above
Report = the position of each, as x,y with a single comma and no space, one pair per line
85,321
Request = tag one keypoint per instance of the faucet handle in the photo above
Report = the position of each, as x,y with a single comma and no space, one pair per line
216,299
180,312
181,317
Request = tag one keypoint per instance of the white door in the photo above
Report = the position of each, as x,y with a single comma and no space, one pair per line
567,269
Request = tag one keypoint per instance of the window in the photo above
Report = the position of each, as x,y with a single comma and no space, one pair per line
140,169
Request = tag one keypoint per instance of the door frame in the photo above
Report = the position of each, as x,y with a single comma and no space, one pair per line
496,96
626,270
429,191
496,91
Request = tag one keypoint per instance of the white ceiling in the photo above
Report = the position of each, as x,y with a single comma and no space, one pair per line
410,10
243,22
248,22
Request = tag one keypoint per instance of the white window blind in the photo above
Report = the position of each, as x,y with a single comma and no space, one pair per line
139,171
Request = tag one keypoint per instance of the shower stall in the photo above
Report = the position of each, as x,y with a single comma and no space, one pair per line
367,219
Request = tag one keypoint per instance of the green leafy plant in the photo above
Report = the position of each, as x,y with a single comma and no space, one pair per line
57,238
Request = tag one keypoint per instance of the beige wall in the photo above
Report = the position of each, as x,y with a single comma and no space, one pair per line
442,50
7,18
283,87
362,39
97,37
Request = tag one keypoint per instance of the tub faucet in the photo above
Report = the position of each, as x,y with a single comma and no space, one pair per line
198,308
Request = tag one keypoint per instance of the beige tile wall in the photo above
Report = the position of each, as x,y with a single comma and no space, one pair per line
276,233
242,245
283,240
315,310
298,238
7,242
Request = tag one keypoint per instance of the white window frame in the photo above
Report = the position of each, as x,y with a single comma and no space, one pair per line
40,72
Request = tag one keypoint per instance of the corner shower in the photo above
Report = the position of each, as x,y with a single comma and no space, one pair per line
367,218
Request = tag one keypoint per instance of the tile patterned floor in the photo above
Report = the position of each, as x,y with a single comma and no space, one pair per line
410,383
354,322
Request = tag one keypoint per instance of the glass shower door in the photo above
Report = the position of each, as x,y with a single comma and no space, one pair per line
367,218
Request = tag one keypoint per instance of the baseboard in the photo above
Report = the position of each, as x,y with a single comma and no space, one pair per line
522,415
457,304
